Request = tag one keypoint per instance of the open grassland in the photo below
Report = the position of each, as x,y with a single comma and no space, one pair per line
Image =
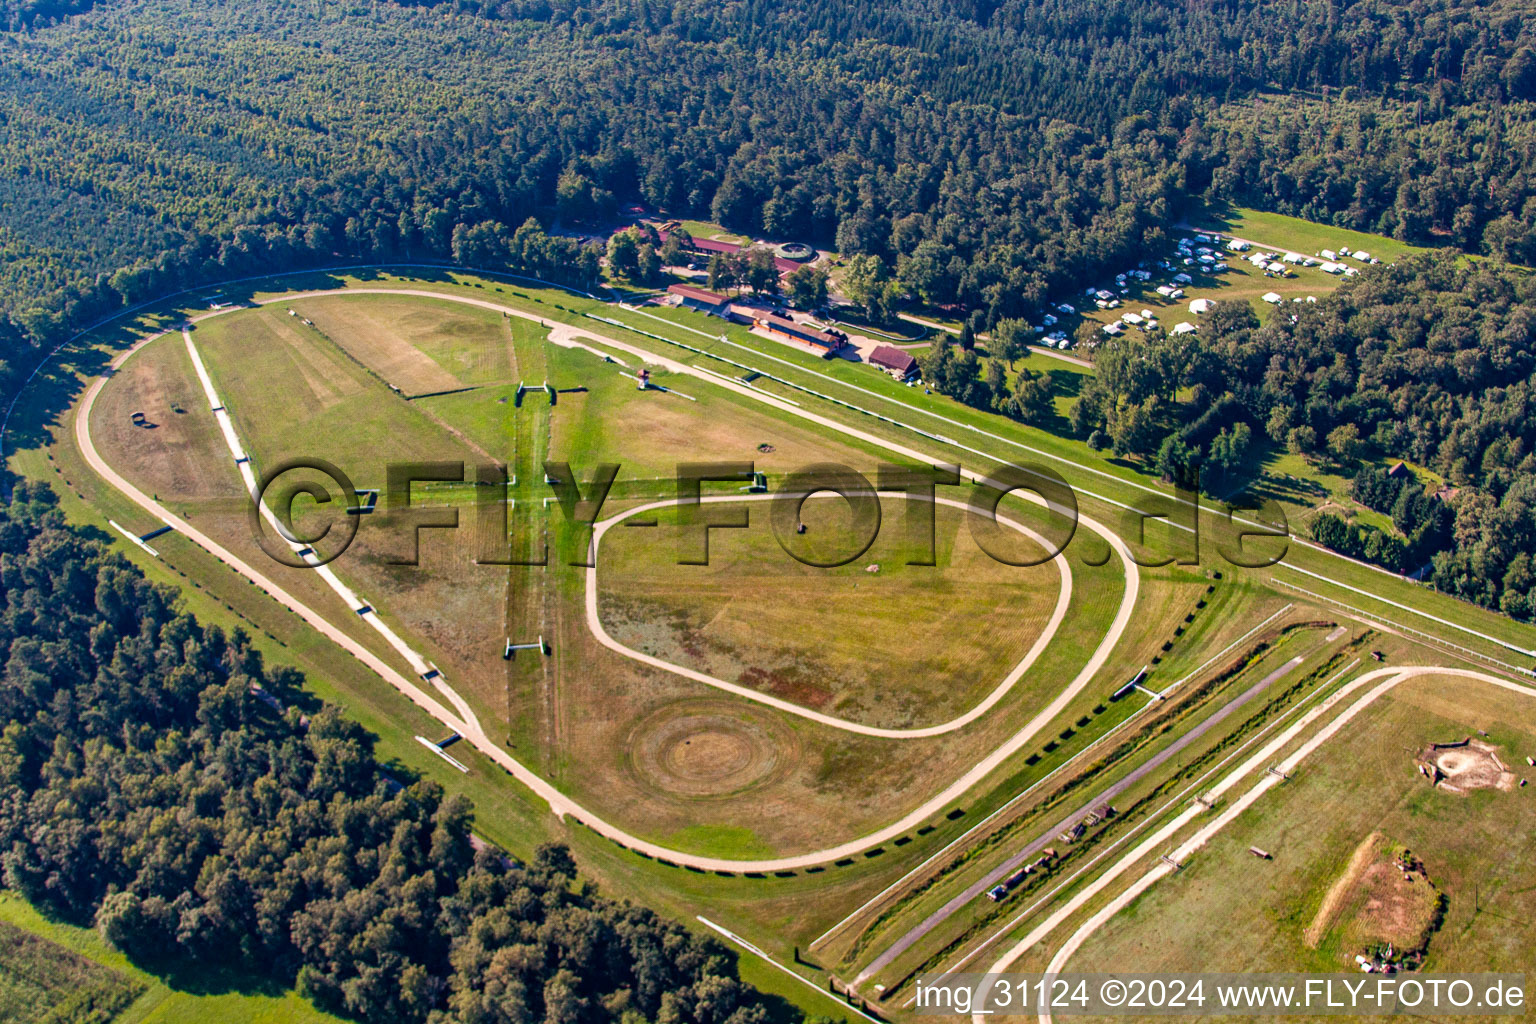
772,911
292,394
1112,772
1294,234
1229,910
1241,282
877,641
419,345
51,972
652,746
1094,476
454,611
180,454
649,433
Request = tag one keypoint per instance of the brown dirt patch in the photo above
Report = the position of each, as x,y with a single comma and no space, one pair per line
1383,896
705,749
1340,890
1395,906
181,455
1462,767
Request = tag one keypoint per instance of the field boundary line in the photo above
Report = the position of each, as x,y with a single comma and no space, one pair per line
761,955
996,694
1159,812
1042,781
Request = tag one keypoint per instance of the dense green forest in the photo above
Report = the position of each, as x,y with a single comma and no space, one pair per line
153,781
995,152
990,154
1432,360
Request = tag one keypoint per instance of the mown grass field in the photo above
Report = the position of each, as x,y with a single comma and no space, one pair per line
1091,474
900,646
576,717
775,911
1228,910
1150,727
1297,235
419,345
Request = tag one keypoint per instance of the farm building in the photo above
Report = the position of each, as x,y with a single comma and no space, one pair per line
698,298
894,361
710,246
788,330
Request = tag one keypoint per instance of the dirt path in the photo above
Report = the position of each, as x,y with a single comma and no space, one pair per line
470,730
1261,760
1046,836
1063,601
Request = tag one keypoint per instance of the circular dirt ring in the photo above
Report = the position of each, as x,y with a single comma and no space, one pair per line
704,749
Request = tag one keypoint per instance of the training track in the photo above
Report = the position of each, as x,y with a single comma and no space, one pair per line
469,728
1390,677
1063,600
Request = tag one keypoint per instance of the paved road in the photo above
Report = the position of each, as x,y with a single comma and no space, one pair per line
1391,678
1032,849
559,803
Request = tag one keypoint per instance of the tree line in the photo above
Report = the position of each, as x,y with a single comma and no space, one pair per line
159,780
987,154
1432,360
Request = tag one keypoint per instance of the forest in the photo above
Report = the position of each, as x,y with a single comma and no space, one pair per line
988,154
159,781
1432,360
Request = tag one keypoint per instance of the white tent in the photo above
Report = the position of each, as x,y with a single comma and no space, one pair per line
1199,306
1270,297
1184,327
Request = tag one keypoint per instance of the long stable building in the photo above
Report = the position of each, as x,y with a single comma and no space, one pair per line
827,344
698,298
